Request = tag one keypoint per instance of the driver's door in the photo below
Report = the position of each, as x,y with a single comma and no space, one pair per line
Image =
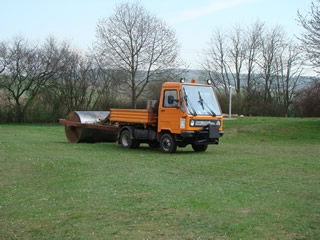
169,112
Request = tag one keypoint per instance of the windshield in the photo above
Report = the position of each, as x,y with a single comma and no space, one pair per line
201,100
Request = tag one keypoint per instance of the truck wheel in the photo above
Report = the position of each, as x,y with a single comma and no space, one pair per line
200,148
168,143
125,139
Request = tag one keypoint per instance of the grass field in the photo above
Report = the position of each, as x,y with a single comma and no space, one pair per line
261,182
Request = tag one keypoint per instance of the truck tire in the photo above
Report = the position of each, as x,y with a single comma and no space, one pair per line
126,141
168,143
200,148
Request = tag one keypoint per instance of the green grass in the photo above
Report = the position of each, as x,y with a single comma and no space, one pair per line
261,182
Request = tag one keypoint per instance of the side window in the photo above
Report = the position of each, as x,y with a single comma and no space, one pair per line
170,98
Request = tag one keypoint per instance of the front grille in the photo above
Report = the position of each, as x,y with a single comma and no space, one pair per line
213,131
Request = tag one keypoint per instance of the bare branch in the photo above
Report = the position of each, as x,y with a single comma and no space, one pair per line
135,41
310,38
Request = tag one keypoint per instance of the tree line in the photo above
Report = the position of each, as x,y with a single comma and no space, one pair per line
262,65
135,52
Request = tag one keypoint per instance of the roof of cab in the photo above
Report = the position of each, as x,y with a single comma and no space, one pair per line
178,84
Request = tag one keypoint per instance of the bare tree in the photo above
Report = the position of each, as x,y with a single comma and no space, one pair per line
237,56
51,96
76,84
289,69
253,46
135,41
272,44
262,63
27,71
231,59
306,100
3,54
310,38
216,61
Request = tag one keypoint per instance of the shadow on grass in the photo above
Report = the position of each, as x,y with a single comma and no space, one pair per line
141,148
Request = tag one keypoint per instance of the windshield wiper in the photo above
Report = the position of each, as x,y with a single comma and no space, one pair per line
202,103
200,100
192,111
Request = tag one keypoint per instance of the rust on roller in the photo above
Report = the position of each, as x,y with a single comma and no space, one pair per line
89,126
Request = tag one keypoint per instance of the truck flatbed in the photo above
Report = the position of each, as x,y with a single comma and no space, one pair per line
135,116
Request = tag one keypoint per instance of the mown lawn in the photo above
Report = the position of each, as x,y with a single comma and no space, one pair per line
261,182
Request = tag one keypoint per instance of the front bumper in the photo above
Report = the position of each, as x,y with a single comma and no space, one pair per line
209,134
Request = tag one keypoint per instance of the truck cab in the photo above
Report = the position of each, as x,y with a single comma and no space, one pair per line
189,113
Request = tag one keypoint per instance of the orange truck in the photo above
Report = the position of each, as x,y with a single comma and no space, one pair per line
186,113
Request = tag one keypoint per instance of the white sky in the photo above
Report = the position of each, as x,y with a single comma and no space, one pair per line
193,21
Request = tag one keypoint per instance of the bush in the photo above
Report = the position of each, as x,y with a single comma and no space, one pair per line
306,101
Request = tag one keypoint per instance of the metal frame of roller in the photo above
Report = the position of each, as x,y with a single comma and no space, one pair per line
87,126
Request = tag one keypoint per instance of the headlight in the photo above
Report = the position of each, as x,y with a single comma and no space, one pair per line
203,123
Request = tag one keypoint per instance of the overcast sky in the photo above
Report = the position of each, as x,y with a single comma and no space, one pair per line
193,21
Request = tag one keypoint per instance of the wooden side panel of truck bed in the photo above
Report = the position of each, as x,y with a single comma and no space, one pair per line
139,116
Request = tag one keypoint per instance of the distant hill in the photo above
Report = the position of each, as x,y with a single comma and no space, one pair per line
202,76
